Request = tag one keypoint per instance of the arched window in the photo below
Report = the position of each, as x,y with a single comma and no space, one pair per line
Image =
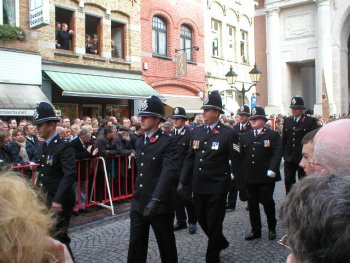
159,38
186,41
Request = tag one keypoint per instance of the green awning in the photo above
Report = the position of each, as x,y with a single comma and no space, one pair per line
98,86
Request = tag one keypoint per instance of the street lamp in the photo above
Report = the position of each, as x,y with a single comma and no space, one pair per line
231,78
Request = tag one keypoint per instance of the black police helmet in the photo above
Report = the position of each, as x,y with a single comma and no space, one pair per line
213,102
152,106
45,113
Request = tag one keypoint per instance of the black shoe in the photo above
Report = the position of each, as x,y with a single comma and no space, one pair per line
247,208
84,210
76,213
230,207
225,245
272,234
192,229
252,236
178,226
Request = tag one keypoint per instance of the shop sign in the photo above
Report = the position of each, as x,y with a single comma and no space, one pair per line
16,112
39,13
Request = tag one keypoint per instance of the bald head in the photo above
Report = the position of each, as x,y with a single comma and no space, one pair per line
331,149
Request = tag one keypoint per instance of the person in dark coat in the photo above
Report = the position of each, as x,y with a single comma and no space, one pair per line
57,171
261,152
182,136
207,166
237,184
63,36
153,202
294,129
5,154
21,151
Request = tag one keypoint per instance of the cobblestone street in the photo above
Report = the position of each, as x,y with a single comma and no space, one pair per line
107,240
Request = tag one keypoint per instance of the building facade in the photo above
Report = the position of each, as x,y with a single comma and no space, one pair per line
172,37
230,42
94,68
307,47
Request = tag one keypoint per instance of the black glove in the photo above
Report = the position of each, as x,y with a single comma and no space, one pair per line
184,191
180,190
150,208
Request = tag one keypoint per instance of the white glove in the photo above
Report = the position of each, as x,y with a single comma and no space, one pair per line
271,174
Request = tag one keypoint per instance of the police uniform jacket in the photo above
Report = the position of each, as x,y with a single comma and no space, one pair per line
293,133
57,172
183,144
156,173
207,162
246,128
260,154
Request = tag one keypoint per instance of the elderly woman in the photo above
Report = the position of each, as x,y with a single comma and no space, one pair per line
25,224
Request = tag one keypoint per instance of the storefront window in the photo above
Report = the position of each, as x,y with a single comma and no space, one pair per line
117,111
69,110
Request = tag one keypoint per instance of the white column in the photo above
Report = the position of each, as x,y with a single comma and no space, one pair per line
274,79
324,55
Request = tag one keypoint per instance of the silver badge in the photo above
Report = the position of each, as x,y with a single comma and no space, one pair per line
206,101
253,111
144,106
176,111
36,114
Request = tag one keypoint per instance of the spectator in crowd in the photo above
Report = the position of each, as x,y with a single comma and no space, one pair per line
316,215
95,44
86,120
12,124
94,121
22,153
134,120
279,125
4,126
83,150
126,122
331,147
68,133
114,120
26,238
232,122
74,131
198,121
66,122
58,27
77,121
63,36
30,134
307,162
136,134
166,127
61,131
110,123
88,45
21,124
5,154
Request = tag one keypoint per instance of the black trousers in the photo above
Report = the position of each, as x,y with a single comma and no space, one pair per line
210,211
261,193
290,170
233,193
139,232
183,205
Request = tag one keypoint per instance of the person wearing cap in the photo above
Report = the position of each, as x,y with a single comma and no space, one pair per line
57,171
261,152
153,203
182,134
207,167
294,129
242,126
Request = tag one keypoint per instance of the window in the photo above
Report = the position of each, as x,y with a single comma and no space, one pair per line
93,35
244,46
9,12
159,40
231,43
117,40
64,29
186,41
216,38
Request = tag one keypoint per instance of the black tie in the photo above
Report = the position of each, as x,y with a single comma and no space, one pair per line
208,130
256,133
146,139
44,146
176,132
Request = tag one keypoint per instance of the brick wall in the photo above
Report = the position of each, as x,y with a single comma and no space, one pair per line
162,73
42,40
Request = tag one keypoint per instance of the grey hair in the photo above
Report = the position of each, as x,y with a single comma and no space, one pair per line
316,215
84,132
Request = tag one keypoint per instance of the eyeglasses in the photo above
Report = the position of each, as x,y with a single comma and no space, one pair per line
284,242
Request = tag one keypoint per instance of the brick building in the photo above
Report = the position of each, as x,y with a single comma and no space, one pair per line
101,79
165,27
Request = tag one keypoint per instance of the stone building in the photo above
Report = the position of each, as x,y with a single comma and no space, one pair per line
230,42
303,39
95,72
168,29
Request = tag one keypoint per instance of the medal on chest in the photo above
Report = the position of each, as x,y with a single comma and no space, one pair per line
49,160
215,146
195,145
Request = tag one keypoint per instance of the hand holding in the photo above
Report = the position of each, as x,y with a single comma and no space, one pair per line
151,207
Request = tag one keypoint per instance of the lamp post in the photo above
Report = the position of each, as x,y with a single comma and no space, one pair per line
231,78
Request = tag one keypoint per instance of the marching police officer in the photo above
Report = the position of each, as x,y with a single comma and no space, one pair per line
57,170
182,135
207,166
153,202
261,152
237,183
294,129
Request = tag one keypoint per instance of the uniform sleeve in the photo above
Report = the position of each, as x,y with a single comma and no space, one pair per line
276,152
68,162
167,178
235,156
284,137
187,168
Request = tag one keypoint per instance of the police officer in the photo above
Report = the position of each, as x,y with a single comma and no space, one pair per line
207,166
57,170
153,202
182,135
294,129
261,152
237,183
